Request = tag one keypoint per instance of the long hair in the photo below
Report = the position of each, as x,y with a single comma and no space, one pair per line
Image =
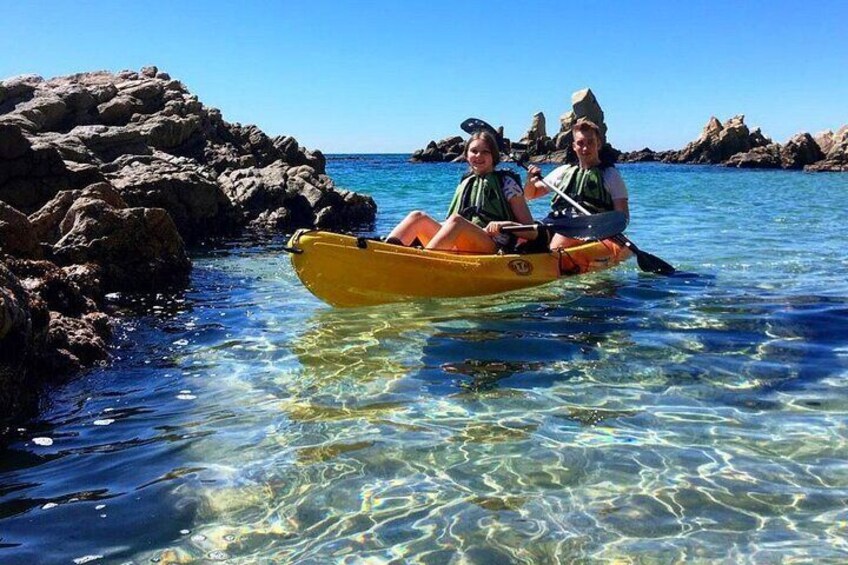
490,142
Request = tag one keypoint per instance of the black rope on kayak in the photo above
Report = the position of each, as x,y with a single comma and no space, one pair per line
295,250
575,270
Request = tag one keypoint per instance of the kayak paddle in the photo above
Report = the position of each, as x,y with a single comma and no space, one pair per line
595,226
646,261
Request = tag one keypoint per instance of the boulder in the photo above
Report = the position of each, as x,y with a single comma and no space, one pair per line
137,248
109,143
118,111
449,149
46,221
836,158
536,130
17,236
17,347
43,113
283,198
195,201
801,150
644,155
29,175
584,105
765,157
169,132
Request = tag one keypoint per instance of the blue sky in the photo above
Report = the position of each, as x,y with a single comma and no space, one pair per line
389,76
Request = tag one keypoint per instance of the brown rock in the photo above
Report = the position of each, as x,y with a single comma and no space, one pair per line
801,150
195,201
767,157
718,143
17,348
17,236
46,221
138,248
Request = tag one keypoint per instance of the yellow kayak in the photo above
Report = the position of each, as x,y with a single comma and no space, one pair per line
344,270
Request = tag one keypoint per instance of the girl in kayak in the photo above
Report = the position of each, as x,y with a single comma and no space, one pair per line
594,184
484,201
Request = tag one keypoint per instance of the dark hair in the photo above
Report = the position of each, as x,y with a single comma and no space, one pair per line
606,153
584,125
490,141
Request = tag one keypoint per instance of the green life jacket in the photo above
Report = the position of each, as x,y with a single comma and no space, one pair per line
481,200
586,186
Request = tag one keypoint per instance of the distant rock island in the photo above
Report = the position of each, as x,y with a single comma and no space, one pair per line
104,180
731,144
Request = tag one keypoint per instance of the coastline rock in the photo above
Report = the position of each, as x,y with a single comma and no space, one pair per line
584,104
799,151
717,142
29,175
17,237
836,157
17,348
137,248
764,157
278,197
448,149
644,155
115,171
194,200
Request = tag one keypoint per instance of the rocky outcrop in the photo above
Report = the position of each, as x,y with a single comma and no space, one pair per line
645,155
279,197
17,236
136,248
558,149
535,143
734,145
50,326
836,153
448,149
146,134
103,177
719,142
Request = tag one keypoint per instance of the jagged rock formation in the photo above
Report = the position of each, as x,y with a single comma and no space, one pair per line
718,142
448,149
734,145
103,179
835,148
535,143
559,149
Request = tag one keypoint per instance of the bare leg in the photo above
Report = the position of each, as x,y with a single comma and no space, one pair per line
415,224
459,234
561,241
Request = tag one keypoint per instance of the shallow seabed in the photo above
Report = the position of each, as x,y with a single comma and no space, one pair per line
621,417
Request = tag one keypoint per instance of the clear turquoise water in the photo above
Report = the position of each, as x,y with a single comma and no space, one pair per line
621,417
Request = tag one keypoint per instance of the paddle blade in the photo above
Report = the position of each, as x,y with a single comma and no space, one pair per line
593,226
472,125
647,262
653,264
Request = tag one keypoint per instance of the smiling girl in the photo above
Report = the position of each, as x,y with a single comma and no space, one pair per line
485,200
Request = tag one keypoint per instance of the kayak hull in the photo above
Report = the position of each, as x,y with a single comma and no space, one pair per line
347,271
